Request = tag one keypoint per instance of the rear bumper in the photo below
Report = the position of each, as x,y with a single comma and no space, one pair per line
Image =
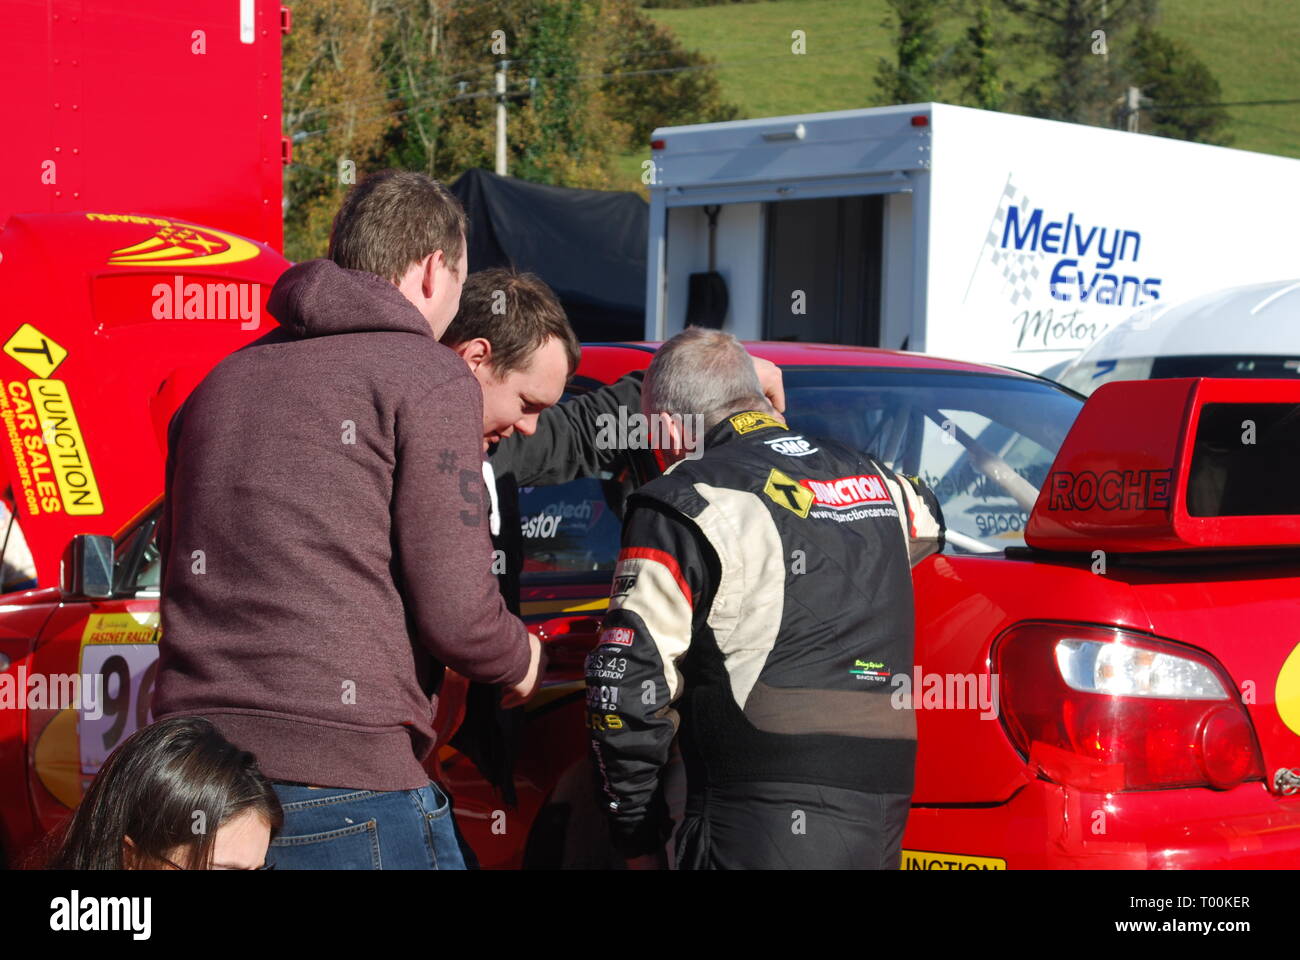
1046,826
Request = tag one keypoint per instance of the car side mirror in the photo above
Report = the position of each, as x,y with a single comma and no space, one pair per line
87,569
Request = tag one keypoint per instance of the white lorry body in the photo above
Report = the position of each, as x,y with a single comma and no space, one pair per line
970,234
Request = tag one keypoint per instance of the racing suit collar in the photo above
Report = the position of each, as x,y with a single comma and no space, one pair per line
741,426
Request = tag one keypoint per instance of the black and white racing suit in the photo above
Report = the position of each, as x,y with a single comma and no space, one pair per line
761,602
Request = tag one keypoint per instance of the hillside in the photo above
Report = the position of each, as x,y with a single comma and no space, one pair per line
1249,44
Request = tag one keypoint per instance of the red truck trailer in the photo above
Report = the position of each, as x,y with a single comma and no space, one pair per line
140,222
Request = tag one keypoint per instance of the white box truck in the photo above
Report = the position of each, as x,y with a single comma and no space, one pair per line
961,232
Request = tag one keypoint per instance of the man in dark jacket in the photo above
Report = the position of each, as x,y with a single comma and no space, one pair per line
776,671
512,332
325,539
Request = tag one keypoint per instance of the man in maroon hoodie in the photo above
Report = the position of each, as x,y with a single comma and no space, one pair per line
325,539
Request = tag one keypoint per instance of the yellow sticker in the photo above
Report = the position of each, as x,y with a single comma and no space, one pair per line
120,628
784,492
1287,691
56,761
67,448
181,244
752,420
928,860
35,351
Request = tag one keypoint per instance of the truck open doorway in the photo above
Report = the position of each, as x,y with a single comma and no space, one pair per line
823,271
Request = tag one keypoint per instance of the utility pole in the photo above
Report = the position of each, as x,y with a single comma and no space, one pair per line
501,117
1133,102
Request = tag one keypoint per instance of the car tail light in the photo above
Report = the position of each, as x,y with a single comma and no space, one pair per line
568,641
1107,709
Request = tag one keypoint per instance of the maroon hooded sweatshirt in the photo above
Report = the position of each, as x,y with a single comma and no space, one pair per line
325,539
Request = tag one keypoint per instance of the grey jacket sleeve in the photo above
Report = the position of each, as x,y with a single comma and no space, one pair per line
573,439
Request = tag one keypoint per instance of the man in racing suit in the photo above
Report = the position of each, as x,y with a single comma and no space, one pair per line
762,601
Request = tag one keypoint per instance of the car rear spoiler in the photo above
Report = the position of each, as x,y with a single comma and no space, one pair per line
1164,465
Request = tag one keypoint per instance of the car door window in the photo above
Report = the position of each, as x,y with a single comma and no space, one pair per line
571,529
137,562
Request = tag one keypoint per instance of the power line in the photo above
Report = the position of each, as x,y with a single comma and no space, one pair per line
487,68
1238,103
716,65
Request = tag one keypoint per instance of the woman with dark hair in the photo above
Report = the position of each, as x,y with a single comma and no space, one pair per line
174,795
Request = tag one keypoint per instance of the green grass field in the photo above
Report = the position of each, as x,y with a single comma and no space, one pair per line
1250,45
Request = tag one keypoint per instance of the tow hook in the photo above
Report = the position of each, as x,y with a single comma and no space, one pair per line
1286,781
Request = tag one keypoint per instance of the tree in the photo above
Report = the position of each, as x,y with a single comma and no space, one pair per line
977,62
649,87
332,82
410,84
1075,38
1171,75
913,76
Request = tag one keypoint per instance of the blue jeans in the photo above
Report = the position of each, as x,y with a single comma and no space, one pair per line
329,828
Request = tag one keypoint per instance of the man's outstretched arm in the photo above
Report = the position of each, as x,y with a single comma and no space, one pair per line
578,438
570,441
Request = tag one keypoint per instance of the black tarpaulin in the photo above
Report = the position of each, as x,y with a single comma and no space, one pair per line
588,245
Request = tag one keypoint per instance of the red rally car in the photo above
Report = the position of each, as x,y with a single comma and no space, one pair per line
1107,657
1107,653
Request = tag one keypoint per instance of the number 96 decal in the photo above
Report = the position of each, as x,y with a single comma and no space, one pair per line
128,671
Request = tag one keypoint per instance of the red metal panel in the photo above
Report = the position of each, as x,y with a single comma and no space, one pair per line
145,106
118,331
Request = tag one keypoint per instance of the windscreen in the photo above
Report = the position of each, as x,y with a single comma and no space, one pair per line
983,443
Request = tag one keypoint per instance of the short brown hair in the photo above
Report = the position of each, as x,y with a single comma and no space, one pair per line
516,313
393,219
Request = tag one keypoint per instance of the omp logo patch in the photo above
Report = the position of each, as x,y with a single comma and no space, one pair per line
848,492
623,585
784,492
752,420
35,351
619,636
791,446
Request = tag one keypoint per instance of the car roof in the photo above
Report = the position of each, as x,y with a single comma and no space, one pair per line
789,354
1256,319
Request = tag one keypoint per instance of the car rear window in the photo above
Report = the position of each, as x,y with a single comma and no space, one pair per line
1245,461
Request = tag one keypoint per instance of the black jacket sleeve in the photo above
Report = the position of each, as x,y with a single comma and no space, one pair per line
661,594
573,439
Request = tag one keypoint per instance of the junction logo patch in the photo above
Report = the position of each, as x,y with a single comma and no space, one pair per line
848,492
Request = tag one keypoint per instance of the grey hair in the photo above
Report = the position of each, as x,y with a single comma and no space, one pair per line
702,371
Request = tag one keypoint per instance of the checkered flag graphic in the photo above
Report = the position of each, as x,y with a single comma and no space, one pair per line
1019,269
